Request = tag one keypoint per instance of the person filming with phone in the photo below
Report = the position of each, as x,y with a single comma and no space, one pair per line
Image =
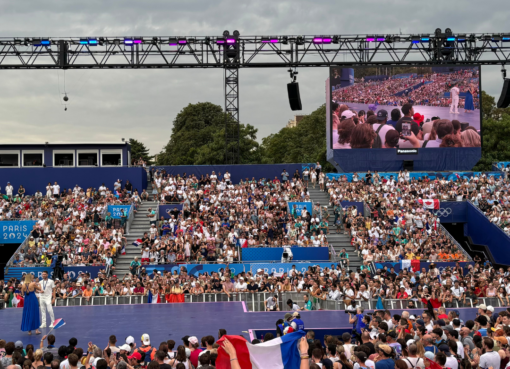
358,325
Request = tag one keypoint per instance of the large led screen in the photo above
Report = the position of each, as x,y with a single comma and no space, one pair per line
405,107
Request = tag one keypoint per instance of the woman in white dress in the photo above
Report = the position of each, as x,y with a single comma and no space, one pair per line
49,189
313,176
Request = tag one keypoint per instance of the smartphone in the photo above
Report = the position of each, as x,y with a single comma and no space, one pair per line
406,129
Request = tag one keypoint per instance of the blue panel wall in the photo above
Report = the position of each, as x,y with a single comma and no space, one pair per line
452,212
34,179
275,253
237,172
359,206
384,160
483,232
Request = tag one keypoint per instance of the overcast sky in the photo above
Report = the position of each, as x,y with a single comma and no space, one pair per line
108,105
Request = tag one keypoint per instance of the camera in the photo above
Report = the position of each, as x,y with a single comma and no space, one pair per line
350,311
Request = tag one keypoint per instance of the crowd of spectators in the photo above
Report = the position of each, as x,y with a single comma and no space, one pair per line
72,222
424,90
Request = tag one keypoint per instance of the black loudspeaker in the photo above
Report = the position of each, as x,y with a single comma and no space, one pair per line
504,99
294,98
409,165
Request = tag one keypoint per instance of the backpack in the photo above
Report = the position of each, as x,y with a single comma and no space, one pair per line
377,140
425,143
417,361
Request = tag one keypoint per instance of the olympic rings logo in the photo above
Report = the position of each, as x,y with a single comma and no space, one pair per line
443,212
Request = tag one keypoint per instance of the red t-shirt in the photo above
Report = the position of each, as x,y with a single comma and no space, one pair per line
194,357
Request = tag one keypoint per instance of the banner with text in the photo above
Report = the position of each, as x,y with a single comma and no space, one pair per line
299,206
15,231
116,210
166,211
73,272
275,253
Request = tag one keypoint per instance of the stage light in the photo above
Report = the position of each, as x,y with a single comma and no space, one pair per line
172,41
487,37
415,39
237,33
451,38
317,40
425,39
505,38
285,40
128,41
220,41
45,42
326,40
231,40
461,37
265,40
84,41
17,41
92,42
116,41
335,39
380,38
370,39
496,38
274,40
396,38
36,41
182,41
138,40
226,33
300,40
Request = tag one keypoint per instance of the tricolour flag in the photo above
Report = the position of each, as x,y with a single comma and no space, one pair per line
123,250
153,299
430,204
279,353
58,323
138,242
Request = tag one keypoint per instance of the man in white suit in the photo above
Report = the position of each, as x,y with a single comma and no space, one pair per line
454,94
45,297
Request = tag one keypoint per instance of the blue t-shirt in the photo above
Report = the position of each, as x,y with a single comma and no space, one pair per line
385,364
392,123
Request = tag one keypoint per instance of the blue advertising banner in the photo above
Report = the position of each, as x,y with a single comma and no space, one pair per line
197,269
455,176
164,210
116,210
15,231
73,272
452,212
286,267
275,253
299,206
359,206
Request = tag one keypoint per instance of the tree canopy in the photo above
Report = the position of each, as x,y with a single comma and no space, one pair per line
139,150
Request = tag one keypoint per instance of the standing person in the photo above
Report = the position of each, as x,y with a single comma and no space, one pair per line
454,95
285,176
47,294
49,189
469,106
318,168
30,319
56,190
8,190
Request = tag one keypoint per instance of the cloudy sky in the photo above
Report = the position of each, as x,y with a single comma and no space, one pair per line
108,105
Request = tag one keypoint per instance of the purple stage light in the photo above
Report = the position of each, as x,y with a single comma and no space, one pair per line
317,40
183,42
220,41
231,40
381,39
274,40
127,41
138,41
370,39
326,40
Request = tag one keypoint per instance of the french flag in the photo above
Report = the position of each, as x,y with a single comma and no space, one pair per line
153,299
58,323
279,353
138,242
123,250
429,204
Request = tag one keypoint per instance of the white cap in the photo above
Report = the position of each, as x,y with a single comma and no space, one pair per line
412,317
130,340
125,347
146,339
490,308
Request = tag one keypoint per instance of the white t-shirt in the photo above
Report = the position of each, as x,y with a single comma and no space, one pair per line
382,133
47,287
414,362
56,189
488,359
452,363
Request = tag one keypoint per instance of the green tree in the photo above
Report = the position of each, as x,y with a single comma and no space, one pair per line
198,137
138,150
305,143
495,134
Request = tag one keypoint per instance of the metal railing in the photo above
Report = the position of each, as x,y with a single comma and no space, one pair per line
454,241
130,218
256,301
23,246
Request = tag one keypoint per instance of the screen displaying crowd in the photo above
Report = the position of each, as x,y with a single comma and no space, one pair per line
404,107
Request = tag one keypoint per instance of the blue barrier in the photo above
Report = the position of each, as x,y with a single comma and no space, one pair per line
116,210
34,179
299,207
164,210
452,212
198,269
73,272
503,164
15,231
237,172
359,206
275,253
286,267
423,264
417,175
483,232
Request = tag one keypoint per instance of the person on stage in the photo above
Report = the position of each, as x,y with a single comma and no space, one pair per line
46,296
469,106
454,95
31,319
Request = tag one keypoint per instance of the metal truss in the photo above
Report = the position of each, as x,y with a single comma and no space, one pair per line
254,51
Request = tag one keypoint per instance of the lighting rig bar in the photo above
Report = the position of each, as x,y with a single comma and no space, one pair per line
252,51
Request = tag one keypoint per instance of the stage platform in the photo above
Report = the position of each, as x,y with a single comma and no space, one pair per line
169,321
161,321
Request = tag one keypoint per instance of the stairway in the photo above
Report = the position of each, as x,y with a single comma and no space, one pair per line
139,225
338,241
